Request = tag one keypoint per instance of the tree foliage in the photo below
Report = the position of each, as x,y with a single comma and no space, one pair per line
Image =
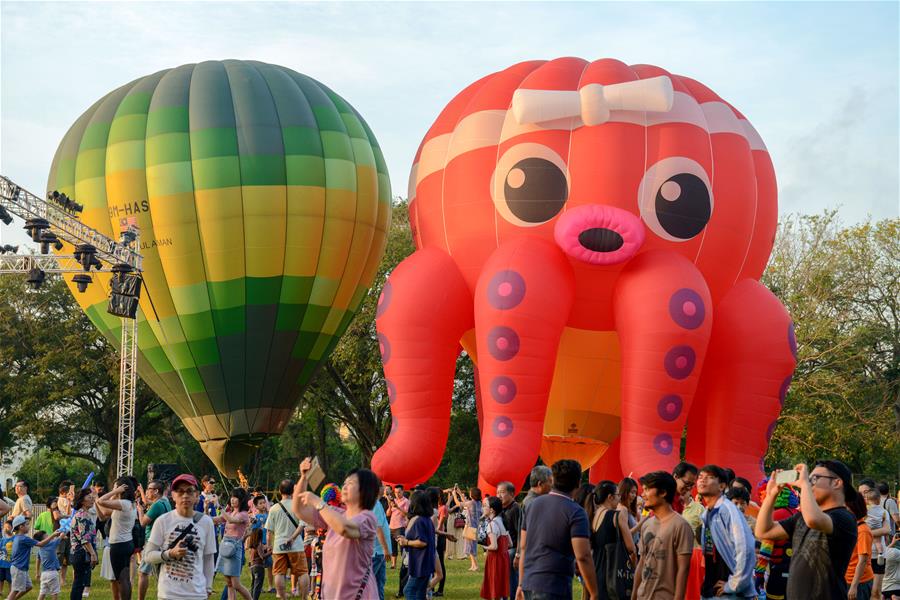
59,376
842,288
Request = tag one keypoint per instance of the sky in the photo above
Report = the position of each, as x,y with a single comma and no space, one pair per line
819,81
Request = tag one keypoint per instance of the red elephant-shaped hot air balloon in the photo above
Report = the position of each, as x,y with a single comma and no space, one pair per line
593,234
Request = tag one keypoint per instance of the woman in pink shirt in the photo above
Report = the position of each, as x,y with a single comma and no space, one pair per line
231,551
347,554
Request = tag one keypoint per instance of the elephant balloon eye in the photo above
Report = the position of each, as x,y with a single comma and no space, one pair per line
530,184
683,205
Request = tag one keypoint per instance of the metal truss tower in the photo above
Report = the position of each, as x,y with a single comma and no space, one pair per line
54,222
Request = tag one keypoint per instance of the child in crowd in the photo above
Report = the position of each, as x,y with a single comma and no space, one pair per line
50,566
6,541
257,552
876,518
21,556
740,497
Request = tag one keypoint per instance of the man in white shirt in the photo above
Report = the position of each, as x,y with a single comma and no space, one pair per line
183,543
23,506
286,537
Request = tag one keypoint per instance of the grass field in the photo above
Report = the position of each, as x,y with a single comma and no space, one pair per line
461,584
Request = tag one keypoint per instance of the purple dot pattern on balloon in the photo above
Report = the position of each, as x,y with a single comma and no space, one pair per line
384,300
782,393
503,389
771,429
679,362
506,290
792,340
687,309
662,443
391,390
503,343
384,346
502,426
669,407
394,425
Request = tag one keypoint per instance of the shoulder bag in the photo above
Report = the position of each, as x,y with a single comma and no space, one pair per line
617,573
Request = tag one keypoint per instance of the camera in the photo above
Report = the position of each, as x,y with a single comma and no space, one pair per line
190,542
285,546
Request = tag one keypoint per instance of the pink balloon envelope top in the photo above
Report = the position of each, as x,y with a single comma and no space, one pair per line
597,196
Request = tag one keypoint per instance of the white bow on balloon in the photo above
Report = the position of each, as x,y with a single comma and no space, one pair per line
593,102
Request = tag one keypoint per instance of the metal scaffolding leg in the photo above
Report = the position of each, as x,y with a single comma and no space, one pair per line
127,395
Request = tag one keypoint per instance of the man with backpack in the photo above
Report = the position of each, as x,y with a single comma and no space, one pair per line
183,543
286,533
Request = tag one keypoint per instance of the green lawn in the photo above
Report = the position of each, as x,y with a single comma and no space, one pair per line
461,584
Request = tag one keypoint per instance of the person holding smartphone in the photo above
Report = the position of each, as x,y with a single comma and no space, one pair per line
890,585
823,533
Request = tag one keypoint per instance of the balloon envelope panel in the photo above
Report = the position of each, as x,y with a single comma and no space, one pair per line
263,200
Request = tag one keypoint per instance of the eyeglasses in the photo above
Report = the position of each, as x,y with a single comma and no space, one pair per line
814,478
184,491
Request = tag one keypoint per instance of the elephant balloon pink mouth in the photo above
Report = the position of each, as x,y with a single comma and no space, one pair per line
598,234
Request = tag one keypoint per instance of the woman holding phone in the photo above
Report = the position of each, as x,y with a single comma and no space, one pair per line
890,585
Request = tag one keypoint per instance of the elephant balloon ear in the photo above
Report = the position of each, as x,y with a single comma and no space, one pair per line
263,202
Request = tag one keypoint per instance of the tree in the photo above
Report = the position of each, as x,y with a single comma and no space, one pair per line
59,377
842,288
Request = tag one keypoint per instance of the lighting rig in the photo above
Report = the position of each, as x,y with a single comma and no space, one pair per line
52,222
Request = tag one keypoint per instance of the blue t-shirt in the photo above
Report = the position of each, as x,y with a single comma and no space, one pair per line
21,554
5,551
49,560
259,522
421,560
551,522
385,529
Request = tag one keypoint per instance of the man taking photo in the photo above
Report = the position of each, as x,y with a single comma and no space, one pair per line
183,543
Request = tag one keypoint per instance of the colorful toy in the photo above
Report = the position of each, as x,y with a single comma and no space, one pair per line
592,234
331,494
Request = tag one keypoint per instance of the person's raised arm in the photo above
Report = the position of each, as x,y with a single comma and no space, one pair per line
585,562
303,482
49,538
813,515
766,527
110,500
336,521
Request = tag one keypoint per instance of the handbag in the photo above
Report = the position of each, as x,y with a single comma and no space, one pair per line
459,521
228,548
617,573
470,533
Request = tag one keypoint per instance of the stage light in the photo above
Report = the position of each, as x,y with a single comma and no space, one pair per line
7,249
36,278
5,216
47,238
82,281
35,227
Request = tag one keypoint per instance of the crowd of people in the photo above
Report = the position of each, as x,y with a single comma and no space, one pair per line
693,533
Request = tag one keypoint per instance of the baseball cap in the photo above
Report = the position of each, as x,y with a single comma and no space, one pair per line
19,520
842,471
187,478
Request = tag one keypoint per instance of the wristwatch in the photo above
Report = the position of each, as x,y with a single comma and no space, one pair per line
321,505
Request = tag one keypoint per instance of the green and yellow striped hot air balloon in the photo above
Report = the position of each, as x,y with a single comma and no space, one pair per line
263,202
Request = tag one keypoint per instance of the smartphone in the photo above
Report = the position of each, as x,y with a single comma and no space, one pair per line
789,476
316,475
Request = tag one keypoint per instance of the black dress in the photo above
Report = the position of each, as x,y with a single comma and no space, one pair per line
605,534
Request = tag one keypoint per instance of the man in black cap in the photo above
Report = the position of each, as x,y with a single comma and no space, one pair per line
823,533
